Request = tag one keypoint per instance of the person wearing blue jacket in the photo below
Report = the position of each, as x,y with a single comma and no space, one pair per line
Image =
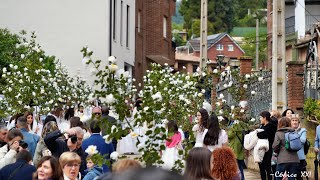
31,139
295,124
97,140
93,171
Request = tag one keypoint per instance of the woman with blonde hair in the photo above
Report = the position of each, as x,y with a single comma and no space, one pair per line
42,149
224,164
70,165
125,164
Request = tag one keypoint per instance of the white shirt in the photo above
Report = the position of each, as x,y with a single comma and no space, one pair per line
223,139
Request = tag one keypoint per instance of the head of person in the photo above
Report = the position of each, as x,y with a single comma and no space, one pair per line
49,127
284,122
75,122
48,119
94,127
29,116
81,108
295,121
276,114
105,110
79,133
14,135
202,117
58,112
22,122
25,156
224,163
70,164
48,168
90,163
172,127
96,111
287,113
125,164
3,133
265,117
69,113
198,164
212,136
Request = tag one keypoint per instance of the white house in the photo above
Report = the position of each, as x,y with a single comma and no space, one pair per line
63,27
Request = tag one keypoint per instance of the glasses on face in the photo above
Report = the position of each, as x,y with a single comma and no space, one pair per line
97,114
72,165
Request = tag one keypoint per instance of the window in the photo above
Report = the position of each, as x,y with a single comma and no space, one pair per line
114,19
121,22
230,47
127,27
220,47
165,27
194,68
139,21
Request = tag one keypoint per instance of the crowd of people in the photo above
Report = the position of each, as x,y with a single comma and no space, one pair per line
54,147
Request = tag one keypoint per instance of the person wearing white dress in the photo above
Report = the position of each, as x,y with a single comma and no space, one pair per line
201,127
214,137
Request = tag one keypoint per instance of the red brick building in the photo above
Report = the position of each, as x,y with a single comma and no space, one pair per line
219,45
153,34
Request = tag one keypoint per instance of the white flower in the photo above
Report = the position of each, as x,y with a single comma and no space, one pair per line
215,71
203,91
10,65
225,85
4,75
223,100
245,86
93,71
51,101
114,155
253,92
260,78
200,94
243,104
26,107
15,67
146,108
110,99
42,91
228,68
91,150
217,103
235,122
112,59
107,139
20,102
157,96
41,59
223,74
220,111
230,84
120,72
221,96
187,78
232,107
20,81
183,67
4,70
85,60
220,118
247,76
22,56
113,67
166,64
25,69
242,110
198,69
33,93
252,119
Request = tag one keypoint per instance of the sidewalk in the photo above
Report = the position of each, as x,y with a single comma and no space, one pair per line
251,174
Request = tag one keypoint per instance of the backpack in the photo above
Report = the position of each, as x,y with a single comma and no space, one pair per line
292,141
306,147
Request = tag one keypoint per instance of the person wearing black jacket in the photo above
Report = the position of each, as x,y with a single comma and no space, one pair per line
269,132
57,144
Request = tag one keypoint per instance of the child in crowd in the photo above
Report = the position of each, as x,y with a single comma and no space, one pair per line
93,171
173,145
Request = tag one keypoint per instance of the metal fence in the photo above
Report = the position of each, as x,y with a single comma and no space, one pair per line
260,101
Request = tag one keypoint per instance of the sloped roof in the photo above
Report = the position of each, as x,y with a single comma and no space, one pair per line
212,39
160,59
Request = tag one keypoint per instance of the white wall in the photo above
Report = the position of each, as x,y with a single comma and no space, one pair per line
123,53
63,27
300,21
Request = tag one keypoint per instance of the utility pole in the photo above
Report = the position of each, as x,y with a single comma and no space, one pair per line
279,96
203,34
257,43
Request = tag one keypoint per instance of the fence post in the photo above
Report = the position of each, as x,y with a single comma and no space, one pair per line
245,65
295,86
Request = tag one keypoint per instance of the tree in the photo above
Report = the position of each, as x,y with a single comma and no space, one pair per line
249,45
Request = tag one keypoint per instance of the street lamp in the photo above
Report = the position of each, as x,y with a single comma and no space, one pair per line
219,60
